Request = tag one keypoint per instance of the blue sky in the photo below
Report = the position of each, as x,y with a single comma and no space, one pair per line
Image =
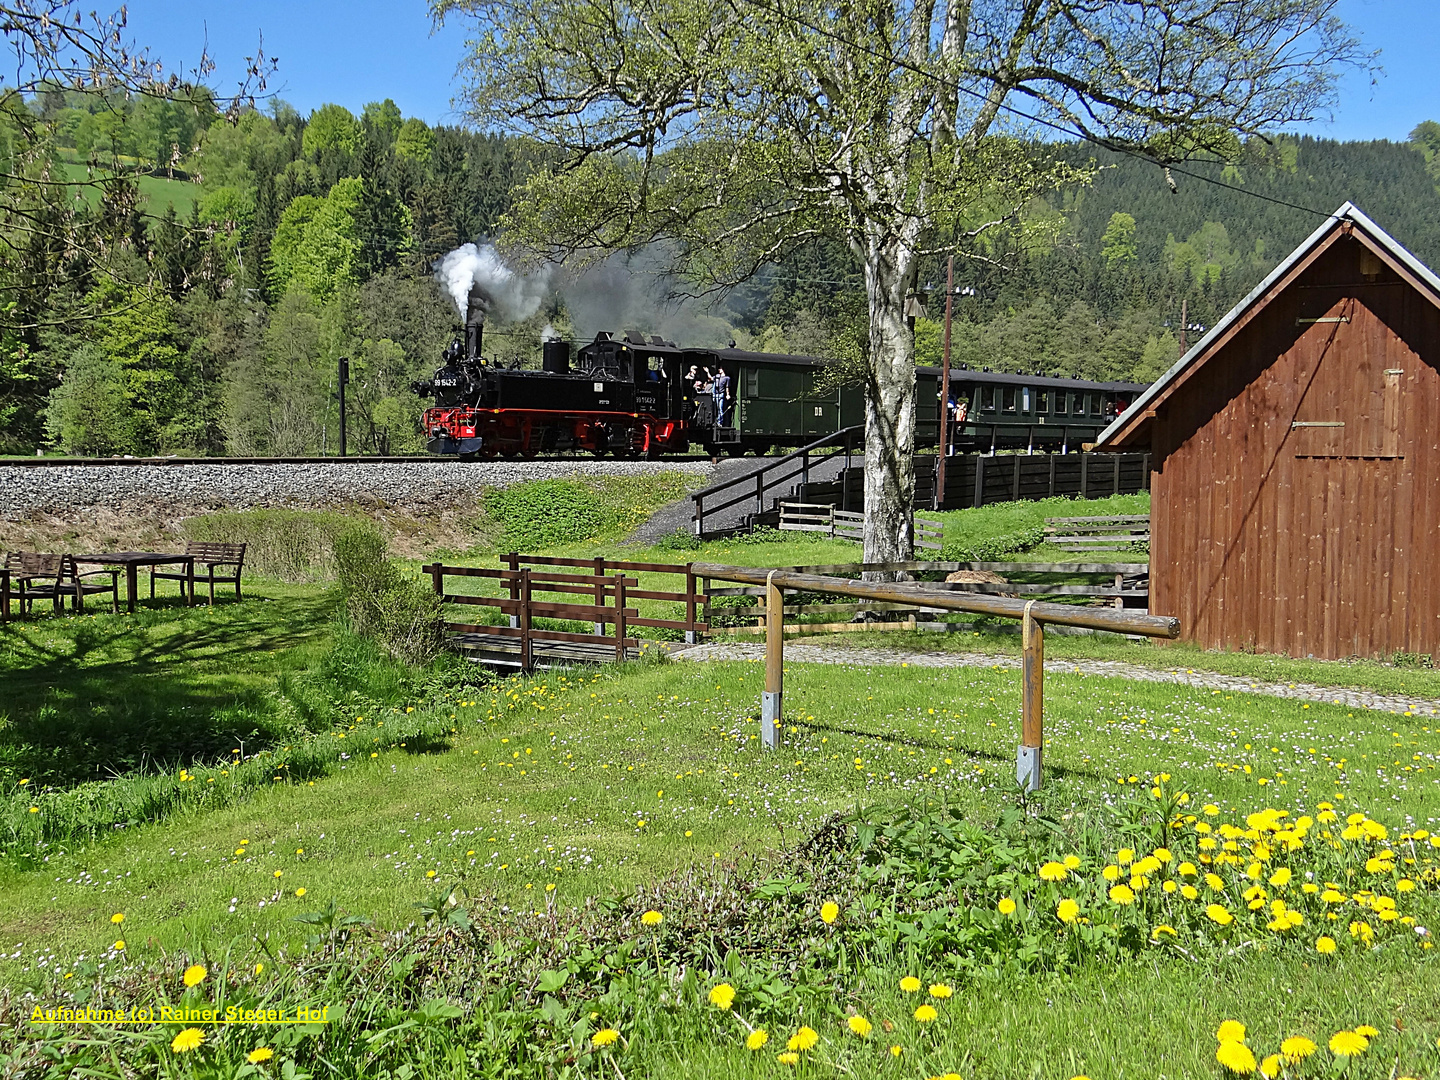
365,50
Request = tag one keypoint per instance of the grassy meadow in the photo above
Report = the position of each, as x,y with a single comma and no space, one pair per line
600,873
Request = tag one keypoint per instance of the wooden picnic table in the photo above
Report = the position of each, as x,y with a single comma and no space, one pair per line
133,560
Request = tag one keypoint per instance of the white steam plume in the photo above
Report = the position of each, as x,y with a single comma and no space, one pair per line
512,296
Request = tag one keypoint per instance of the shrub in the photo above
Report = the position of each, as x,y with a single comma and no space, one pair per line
993,548
291,545
681,539
384,603
548,514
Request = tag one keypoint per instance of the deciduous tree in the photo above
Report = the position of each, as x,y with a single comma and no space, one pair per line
735,130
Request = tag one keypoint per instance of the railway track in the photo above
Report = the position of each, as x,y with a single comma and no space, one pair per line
58,462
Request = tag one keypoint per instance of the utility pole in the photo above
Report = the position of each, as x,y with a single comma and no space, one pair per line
945,386
344,378
1184,326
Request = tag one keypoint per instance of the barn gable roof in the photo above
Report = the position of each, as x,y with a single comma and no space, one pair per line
1133,422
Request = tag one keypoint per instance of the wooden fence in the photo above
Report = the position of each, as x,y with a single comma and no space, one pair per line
1095,533
980,479
528,592
1116,585
845,525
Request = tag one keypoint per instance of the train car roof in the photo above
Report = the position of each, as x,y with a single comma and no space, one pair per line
1006,378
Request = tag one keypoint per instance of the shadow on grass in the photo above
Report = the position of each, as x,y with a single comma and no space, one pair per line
95,696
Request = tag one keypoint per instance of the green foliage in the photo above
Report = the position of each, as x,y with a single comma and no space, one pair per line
553,513
288,545
331,128
682,539
990,533
383,602
88,413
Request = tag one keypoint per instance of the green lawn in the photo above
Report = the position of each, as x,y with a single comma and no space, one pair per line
566,804
157,192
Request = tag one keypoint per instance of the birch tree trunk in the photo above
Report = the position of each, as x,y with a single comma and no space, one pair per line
889,407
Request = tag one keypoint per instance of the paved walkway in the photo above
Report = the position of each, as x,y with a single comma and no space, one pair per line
796,652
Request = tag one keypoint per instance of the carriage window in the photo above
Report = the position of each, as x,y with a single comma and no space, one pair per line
1042,401
1025,400
1097,404
1077,404
1061,399
987,398
1009,396
751,377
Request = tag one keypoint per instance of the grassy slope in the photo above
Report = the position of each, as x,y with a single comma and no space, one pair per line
156,191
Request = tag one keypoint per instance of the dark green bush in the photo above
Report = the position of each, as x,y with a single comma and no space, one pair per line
548,514
681,539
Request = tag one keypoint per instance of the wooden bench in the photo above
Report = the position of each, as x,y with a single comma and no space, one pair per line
208,557
1097,533
32,575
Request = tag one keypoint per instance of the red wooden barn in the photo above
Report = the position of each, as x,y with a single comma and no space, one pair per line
1295,456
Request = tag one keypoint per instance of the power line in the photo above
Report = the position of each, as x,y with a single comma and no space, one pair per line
916,69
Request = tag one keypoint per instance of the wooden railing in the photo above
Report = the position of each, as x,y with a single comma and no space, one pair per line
1033,616
774,473
846,525
1125,586
1094,533
530,592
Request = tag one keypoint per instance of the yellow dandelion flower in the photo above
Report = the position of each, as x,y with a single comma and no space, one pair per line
722,996
1325,945
1230,1031
910,984
119,946
118,918
605,1037
860,1026
756,1039
1297,1048
189,1039
1122,895
1006,906
652,918
940,990
1189,892
804,1039
259,1054
1067,910
1072,862
1054,871
1219,914
1125,856
1270,1067
195,974
1216,882
300,892
788,1057
896,1050
829,912
926,1013
1111,872
1236,1057
1366,1030
1348,1044
1281,877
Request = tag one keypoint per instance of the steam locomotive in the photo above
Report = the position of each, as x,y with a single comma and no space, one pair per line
634,396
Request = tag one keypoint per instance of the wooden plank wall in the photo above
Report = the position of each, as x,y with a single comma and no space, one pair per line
1308,540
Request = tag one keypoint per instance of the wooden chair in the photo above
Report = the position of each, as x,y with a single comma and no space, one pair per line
77,586
34,576
208,557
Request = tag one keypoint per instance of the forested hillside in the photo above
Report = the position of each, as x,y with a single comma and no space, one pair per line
214,269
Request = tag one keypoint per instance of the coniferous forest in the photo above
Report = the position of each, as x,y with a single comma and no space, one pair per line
181,281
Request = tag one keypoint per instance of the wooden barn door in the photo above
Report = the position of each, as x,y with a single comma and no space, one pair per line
1350,489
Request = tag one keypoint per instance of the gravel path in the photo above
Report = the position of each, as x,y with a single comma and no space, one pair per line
1205,680
240,486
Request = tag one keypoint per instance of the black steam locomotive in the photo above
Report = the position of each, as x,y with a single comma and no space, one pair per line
635,396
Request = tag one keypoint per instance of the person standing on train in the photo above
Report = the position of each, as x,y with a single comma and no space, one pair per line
720,390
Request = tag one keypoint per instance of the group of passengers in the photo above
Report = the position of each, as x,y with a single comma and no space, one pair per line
709,398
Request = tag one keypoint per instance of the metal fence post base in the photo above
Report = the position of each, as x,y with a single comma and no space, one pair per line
770,718
1028,767
690,638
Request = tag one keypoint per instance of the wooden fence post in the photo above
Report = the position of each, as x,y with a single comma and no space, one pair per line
620,617
979,480
522,618
513,561
599,594
691,637
1028,759
771,710
437,578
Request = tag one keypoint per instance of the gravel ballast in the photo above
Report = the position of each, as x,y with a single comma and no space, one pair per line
401,483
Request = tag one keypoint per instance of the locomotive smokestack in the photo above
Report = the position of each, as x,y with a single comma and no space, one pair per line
477,307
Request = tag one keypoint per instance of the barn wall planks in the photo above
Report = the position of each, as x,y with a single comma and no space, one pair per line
1294,499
